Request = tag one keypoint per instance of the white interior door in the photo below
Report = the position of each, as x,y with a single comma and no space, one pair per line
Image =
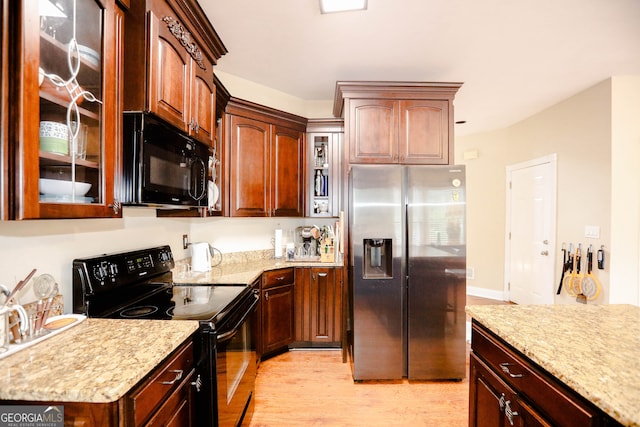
531,231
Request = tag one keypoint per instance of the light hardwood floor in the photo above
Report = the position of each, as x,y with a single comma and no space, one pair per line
314,388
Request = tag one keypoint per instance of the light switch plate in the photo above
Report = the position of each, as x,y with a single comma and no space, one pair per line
592,231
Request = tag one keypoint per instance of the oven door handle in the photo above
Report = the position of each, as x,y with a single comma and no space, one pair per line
226,336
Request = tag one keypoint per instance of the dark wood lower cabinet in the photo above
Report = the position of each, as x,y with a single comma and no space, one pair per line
508,389
276,307
299,307
495,403
177,410
166,398
318,307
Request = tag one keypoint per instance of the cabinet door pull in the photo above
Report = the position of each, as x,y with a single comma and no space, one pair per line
178,377
510,413
315,276
115,206
505,368
197,383
266,296
501,402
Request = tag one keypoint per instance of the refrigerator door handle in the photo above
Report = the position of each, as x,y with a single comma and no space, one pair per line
458,272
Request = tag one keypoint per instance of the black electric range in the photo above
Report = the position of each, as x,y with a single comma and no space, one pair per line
139,285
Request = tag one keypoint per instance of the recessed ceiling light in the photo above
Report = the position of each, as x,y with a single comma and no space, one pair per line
330,6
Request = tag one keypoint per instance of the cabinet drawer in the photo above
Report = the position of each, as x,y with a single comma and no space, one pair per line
176,410
280,277
494,403
560,404
150,395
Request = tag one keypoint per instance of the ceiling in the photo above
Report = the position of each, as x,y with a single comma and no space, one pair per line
515,57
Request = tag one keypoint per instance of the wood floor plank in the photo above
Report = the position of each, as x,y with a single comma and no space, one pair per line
314,388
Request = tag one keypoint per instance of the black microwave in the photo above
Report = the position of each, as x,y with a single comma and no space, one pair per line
161,166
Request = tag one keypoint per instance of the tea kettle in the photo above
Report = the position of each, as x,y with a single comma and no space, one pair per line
200,256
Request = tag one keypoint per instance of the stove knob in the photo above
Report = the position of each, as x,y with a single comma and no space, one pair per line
113,269
164,256
100,271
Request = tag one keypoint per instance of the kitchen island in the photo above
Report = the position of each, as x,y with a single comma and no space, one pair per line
592,349
96,363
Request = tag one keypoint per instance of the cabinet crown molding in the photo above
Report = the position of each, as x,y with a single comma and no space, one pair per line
391,90
202,28
325,125
251,110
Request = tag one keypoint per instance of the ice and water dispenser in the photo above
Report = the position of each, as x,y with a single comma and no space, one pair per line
377,259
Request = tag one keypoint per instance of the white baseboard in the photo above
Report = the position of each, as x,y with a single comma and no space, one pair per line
485,293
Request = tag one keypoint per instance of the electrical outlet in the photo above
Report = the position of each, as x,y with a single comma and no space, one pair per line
185,241
471,273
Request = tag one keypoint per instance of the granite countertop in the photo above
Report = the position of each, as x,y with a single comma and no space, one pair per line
244,273
96,361
593,349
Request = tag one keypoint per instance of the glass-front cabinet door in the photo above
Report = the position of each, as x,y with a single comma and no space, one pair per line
69,111
324,166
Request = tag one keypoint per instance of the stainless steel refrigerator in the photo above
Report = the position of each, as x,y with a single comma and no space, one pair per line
408,272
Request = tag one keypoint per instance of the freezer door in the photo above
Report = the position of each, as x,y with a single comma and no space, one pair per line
376,221
436,295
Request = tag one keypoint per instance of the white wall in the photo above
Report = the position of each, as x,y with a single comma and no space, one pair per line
596,135
625,190
245,89
248,234
485,209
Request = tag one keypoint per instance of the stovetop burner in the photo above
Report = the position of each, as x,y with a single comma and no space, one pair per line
196,302
137,312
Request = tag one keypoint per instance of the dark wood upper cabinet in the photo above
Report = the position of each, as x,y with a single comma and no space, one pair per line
287,171
424,132
171,50
249,166
265,161
397,122
203,105
373,131
61,85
